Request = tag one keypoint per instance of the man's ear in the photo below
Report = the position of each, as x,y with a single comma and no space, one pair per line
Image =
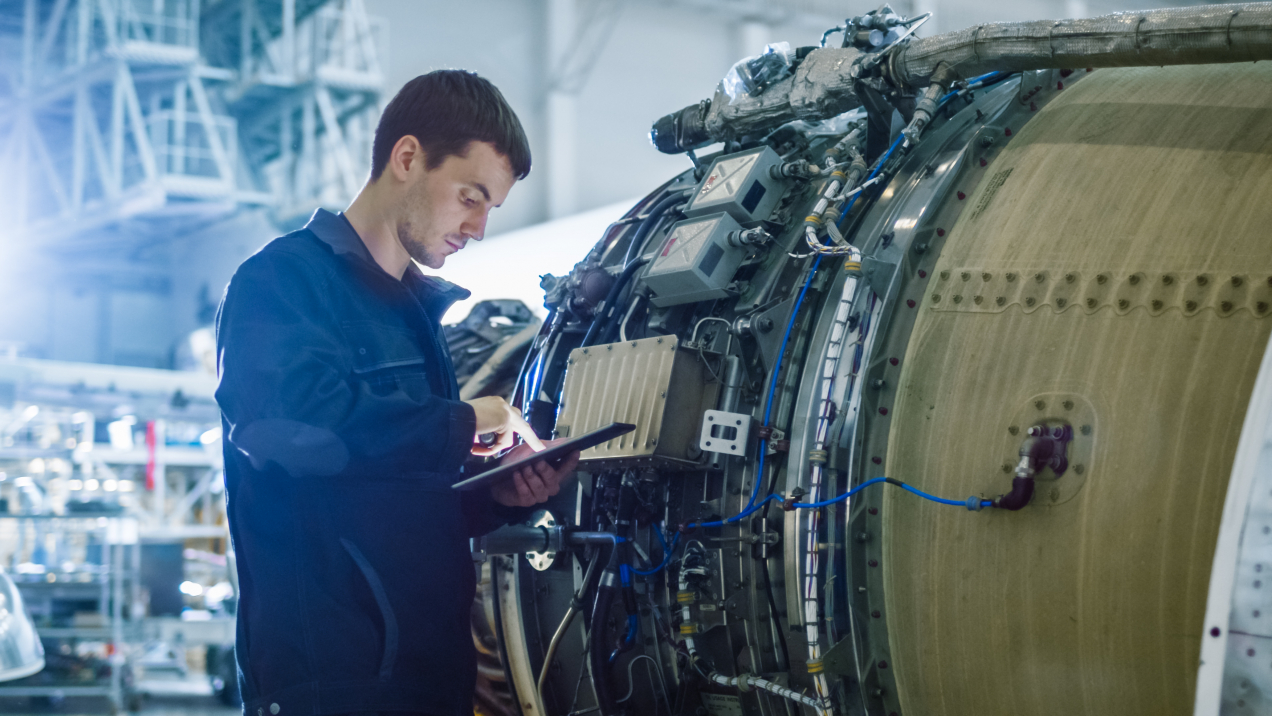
407,155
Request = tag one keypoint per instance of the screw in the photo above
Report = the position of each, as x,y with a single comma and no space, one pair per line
936,298
1006,467
1040,404
1101,279
1135,279
1068,405
1085,429
940,232
909,302
1040,277
945,275
873,563
1060,302
1000,300
1261,307
1190,305
873,510
958,299
1123,303
1237,281
965,276
977,299
878,383
1167,280
922,273
877,460
1079,469
1226,306
1011,277
1202,280
1157,305
1013,430
986,277
1091,302
1029,301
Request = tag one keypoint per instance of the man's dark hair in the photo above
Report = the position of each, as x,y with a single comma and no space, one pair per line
446,110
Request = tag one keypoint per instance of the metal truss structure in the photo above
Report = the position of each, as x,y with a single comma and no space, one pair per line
158,115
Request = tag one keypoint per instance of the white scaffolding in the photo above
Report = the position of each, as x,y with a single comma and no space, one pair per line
180,110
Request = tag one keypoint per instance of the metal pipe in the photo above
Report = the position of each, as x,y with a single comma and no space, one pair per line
1171,36
825,83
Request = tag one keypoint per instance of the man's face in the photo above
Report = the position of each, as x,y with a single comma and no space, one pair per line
449,205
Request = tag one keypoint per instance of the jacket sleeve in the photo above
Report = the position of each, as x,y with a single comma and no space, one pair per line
482,514
286,394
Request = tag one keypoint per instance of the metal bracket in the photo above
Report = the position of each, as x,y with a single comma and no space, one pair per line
878,273
724,432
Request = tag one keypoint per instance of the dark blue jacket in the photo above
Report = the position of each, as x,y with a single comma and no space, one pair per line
344,434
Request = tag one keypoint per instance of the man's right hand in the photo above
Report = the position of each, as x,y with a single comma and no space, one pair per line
495,415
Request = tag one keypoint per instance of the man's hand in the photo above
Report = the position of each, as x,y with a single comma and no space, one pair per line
534,483
494,415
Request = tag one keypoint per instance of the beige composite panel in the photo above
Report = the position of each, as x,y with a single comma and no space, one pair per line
1090,600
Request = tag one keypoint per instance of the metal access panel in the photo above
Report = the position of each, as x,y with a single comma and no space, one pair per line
652,383
696,262
741,185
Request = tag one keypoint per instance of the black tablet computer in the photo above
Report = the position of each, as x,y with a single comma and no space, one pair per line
554,455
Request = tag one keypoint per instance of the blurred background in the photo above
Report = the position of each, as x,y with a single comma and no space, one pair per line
148,146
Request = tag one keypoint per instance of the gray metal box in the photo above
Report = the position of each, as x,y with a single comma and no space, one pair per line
696,262
654,383
741,185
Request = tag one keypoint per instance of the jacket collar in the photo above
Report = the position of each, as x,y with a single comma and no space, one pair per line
435,294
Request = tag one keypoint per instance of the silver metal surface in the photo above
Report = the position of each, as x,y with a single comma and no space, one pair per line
1236,645
21,653
542,560
725,432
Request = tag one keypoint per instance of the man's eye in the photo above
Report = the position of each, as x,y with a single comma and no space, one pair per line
468,201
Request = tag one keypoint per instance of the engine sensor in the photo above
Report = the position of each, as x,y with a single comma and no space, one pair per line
1042,447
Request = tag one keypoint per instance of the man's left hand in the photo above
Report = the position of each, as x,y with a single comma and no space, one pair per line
534,483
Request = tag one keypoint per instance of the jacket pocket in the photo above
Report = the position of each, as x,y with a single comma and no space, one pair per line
377,346
386,609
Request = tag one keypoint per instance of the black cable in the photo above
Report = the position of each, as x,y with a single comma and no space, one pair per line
631,262
768,587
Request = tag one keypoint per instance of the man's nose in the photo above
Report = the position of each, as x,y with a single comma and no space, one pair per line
474,226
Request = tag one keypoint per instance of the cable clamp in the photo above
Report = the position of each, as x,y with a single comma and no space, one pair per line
975,504
815,666
813,219
852,266
686,596
744,684
818,457
689,628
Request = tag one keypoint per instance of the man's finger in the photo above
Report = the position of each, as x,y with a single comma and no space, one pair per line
518,425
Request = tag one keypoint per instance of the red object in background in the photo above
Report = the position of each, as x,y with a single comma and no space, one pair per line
150,456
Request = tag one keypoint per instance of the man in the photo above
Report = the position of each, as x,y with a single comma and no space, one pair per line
345,429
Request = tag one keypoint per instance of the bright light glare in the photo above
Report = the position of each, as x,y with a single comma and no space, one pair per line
30,412
191,588
74,485
110,485
120,432
90,484
36,465
219,592
211,436
126,485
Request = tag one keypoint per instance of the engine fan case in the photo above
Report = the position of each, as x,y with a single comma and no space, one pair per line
1113,270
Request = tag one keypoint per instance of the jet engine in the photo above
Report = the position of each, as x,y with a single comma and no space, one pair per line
951,386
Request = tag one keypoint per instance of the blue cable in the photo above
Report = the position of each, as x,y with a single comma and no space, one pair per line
878,167
668,552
